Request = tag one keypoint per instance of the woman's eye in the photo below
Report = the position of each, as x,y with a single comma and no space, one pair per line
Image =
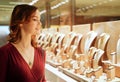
35,19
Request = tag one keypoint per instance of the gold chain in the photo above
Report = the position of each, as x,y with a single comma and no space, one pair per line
29,58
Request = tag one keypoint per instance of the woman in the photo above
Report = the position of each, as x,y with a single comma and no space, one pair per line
21,60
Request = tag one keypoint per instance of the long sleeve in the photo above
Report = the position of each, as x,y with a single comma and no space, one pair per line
44,78
3,64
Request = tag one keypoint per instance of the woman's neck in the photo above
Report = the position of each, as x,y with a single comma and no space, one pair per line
25,42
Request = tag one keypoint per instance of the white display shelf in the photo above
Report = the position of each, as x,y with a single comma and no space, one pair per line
78,77
54,64
54,75
64,75
83,78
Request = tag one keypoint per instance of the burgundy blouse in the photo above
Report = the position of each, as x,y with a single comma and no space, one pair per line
13,68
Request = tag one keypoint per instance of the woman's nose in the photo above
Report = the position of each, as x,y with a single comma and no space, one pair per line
39,22
38,30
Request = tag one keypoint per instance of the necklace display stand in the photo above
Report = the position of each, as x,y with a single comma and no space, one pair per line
79,67
96,69
41,39
75,47
47,41
118,51
62,50
89,38
50,51
102,41
88,41
117,59
66,47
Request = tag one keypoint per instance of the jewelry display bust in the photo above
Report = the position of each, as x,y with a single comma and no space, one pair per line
118,51
88,40
103,38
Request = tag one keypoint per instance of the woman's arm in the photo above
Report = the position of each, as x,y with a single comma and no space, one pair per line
44,78
3,64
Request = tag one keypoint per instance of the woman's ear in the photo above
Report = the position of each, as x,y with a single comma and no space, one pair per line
21,25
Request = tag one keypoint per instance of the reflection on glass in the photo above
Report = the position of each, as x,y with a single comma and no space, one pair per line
60,12
89,11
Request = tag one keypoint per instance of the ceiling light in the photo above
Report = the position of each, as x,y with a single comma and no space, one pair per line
41,12
33,2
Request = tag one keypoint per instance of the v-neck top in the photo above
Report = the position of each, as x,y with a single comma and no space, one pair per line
13,67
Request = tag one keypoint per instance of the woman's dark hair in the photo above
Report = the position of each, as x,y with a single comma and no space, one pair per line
20,14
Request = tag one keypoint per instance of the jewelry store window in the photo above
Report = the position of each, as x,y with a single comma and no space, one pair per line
92,11
60,12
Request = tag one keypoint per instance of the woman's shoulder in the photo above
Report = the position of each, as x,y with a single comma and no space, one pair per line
4,52
40,51
5,47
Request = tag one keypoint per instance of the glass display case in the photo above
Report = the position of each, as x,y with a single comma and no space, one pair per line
92,11
75,12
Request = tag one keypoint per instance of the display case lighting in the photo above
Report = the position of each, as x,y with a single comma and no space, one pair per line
59,4
43,11
56,16
33,2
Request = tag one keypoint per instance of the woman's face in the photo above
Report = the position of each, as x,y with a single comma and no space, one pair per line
33,25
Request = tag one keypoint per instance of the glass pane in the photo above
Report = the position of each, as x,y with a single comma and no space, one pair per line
60,12
42,9
90,11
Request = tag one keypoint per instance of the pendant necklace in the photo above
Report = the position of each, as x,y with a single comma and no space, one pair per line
30,63
28,58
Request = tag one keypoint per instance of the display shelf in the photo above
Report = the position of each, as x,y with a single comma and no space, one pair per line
54,64
77,77
54,75
83,78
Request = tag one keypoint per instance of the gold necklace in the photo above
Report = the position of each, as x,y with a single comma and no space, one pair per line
30,63
28,58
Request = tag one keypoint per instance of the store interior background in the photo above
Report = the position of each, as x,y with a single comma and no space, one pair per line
79,16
